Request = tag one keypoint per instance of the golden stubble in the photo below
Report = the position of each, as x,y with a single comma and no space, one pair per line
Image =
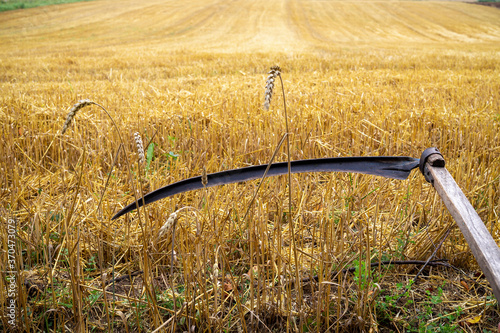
348,92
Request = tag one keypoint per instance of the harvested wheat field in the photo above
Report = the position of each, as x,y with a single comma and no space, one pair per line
156,91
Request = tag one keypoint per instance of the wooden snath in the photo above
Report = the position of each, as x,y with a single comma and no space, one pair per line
481,243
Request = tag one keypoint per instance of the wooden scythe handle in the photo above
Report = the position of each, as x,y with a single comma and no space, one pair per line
481,243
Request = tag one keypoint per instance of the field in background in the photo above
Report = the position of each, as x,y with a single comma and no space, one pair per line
361,78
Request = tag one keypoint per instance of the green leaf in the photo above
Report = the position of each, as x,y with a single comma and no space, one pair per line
149,155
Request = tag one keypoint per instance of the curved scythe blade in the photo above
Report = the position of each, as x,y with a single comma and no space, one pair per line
397,167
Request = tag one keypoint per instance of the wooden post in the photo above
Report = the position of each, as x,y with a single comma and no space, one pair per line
481,243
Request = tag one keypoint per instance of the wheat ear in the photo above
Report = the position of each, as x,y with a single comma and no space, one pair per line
171,221
77,107
273,73
140,146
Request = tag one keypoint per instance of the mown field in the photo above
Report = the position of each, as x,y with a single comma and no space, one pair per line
360,78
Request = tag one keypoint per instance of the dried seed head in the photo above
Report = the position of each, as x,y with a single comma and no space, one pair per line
172,219
204,177
273,73
80,105
140,146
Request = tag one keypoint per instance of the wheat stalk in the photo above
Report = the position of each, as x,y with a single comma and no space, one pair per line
274,73
77,107
168,226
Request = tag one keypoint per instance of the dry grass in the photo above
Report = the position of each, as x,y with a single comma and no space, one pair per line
356,83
